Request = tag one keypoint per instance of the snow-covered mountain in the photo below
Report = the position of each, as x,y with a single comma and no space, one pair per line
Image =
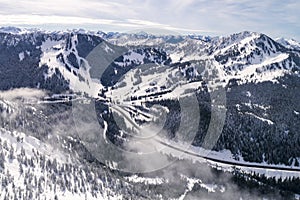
246,81
246,56
289,43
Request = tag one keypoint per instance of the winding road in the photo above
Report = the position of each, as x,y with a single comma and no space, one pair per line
120,110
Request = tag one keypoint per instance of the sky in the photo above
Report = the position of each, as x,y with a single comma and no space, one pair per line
204,17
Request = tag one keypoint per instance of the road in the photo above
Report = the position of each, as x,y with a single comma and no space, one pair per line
217,161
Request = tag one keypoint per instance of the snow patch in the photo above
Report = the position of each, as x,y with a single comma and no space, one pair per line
260,118
148,181
21,56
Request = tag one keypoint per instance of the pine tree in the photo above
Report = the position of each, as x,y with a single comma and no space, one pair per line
21,168
11,153
2,160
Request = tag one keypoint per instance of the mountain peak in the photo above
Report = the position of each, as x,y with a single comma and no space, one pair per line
10,29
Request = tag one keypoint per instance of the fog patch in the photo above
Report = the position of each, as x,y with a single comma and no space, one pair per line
22,93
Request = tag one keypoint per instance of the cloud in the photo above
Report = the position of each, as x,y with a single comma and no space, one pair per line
208,17
24,93
130,24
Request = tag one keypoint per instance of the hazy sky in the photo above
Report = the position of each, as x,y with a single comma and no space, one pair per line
206,17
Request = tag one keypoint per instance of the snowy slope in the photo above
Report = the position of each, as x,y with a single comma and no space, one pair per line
32,172
55,56
289,43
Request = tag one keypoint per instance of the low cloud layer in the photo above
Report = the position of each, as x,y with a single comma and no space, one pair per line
24,93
